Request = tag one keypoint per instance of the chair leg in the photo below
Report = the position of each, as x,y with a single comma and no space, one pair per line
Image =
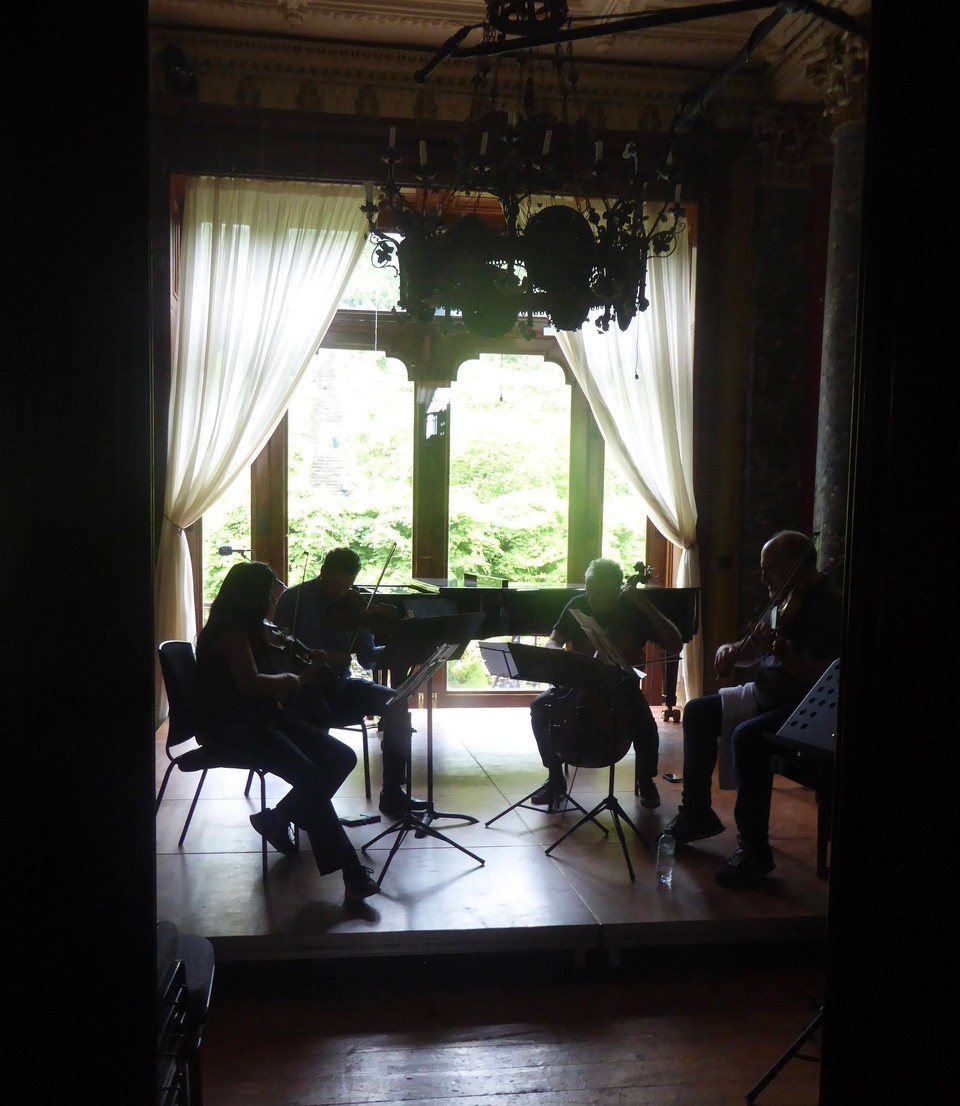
246,790
366,757
263,807
163,785
193,806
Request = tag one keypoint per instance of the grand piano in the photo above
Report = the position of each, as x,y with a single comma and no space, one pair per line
522,610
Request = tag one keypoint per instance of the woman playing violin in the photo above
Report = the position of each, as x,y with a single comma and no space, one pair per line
244,708
328,613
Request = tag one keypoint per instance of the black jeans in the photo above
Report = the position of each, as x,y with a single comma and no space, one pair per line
346,703
312,762
751,755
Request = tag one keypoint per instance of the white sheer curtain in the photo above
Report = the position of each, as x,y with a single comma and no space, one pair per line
262,269
639,383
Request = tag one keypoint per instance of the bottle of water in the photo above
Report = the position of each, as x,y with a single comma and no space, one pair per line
666,850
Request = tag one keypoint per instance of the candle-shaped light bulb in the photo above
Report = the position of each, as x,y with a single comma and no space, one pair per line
512,118
368,192
484,138
598,151
423,152
393,138
546,142
676,194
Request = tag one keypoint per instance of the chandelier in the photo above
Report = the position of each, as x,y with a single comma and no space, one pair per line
574,227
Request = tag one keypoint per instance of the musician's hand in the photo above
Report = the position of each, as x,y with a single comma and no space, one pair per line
723,661
336,659
287,684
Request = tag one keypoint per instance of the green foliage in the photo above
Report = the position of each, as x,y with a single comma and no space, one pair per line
350,480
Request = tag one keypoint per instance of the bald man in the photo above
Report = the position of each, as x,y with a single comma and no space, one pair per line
787,662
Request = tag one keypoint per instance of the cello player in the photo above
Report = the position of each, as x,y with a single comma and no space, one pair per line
631,620
789,661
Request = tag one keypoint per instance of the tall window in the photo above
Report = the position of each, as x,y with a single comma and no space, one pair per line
350,473
509,464
624,520
226,525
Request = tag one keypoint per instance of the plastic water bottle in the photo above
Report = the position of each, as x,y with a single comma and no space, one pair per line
666,850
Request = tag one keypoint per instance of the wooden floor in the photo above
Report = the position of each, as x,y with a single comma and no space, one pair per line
531,980
436,899
527,980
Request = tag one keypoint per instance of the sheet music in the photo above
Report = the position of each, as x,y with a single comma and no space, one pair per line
421,675
602,644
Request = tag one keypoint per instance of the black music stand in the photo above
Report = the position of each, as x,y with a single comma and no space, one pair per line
792,1053
538,665
419,821
457,631
589,674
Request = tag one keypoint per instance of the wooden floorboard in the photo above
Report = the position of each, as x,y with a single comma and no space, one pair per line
692,1026
528,981
436,899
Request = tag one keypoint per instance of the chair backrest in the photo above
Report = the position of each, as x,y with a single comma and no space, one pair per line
178,664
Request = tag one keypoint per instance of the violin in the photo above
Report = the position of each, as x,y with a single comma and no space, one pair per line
784,614
355,610
280,639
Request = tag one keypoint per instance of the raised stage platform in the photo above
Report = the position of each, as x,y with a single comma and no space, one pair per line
436,899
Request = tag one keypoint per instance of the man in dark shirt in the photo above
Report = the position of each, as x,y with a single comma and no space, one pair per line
790,649
630,620
310,612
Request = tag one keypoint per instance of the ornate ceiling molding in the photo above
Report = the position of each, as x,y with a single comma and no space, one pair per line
354,78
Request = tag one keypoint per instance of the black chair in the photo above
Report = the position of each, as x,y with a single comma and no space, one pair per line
356,725
178,665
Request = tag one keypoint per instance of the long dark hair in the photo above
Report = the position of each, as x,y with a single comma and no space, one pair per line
243,600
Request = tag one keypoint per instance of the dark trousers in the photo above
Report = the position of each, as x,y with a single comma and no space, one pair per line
646,736
313,763
751,757
346,703
353,700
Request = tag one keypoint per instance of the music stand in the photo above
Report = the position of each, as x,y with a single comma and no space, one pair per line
561,668
589,674
457,631
419,821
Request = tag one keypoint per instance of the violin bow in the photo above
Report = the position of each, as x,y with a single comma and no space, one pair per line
296,602
376,588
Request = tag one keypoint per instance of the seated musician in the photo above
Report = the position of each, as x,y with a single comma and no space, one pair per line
313,613
788,663
243,708
631,620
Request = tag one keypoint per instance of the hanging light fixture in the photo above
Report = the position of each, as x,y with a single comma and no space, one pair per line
574,233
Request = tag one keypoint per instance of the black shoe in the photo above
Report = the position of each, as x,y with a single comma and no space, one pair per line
649,795
745,867
358,883
548,794
278,833
543,796
694,827
395,803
